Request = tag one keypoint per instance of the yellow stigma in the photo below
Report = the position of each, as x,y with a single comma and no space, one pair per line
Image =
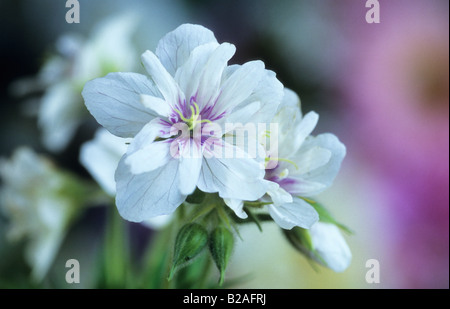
195,114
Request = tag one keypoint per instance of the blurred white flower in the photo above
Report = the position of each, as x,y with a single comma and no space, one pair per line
101,157
191,89
61,109
39,202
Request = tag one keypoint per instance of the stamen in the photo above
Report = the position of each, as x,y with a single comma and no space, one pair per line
181,115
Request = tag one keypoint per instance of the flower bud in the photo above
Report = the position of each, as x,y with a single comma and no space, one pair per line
190,241
323,243
221,243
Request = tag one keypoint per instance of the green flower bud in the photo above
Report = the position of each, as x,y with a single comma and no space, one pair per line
221,243
190,241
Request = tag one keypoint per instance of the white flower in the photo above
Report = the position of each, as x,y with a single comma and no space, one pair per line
79,60
305,166
329,247
101,156
32,198
191,89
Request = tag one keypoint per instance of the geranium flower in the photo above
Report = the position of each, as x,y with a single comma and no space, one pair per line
304,166
191,89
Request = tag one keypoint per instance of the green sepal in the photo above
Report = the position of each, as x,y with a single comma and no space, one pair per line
221,244
190,241
326,217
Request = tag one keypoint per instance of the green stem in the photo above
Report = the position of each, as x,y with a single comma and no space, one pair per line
115,251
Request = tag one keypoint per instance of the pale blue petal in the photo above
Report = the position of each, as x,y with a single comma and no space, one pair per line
239,86
147,195
237,177
149,158
114,101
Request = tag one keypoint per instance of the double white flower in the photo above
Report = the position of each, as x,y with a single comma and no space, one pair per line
191,88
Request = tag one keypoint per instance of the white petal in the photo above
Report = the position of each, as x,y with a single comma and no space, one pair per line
175,47
189,74
147,195
330,246
240,85
146,136
298,186
101,156
156,105
237,206
301,131
209,85
190,166
324,174
269,92
242,115
298,213
236,177
114,101
279,195
310,159
163,80
149,158
158,222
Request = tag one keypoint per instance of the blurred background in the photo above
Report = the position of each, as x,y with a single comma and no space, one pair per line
382,88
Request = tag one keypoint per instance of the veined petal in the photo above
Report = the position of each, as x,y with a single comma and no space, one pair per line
157,105
149,158
209,85
237,206
114,101
189,74
163,80
147,195
330,246
269,92
298,213
242,115
237,176
175,47
190,165
239,85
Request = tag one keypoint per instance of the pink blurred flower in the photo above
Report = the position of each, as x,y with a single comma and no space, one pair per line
397,85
